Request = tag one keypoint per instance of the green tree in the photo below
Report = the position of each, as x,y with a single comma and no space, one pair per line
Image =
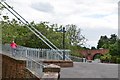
93,48
106,58
105,42
113,44
24,37
115,49
113,38
102,41
74,35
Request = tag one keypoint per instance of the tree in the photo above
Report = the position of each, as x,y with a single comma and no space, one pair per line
24,37
102,41
74,35
115,49
113,44
93,48
105,42
113,38
106,57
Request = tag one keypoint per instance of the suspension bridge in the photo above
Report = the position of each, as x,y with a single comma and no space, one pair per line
34,63
35,58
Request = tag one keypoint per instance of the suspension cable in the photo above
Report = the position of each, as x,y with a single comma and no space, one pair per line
25,24
30,27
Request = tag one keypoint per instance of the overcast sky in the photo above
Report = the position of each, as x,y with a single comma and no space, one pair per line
94,17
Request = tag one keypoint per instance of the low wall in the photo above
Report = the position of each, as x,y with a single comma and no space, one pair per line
60,63
15,69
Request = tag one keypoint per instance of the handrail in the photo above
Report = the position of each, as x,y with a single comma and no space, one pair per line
35,53
35,67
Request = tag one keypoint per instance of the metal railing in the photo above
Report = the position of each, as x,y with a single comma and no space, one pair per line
35,67
40,54
45,53
77,59
36,54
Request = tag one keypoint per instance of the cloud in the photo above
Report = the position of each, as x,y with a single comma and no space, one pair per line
83,13
44,7
93,34
99,15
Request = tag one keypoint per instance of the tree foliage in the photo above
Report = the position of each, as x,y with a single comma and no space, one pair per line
113,44
12,29
105,42
115,48
74,35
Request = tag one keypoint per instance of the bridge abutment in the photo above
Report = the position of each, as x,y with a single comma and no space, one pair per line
15,69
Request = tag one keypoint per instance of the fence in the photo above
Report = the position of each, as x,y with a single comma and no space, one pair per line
36,54
78,59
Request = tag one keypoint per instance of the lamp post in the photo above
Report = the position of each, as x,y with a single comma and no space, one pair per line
63,43
63,30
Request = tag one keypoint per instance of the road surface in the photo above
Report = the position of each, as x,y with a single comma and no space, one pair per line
90,70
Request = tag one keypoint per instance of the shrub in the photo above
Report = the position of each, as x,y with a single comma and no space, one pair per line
106,58
113,59
118,60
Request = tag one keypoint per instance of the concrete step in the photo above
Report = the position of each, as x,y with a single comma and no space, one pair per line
50,76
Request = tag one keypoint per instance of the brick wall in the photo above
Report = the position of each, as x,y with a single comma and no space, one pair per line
89,54
12,68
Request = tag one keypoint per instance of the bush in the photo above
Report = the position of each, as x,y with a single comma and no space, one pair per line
105,58
113,59
118,60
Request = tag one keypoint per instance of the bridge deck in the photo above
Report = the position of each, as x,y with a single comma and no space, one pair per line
20,58
90,70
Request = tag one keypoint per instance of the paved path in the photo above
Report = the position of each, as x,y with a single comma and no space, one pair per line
90,70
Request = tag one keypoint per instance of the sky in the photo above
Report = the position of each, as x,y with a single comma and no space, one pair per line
95,18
